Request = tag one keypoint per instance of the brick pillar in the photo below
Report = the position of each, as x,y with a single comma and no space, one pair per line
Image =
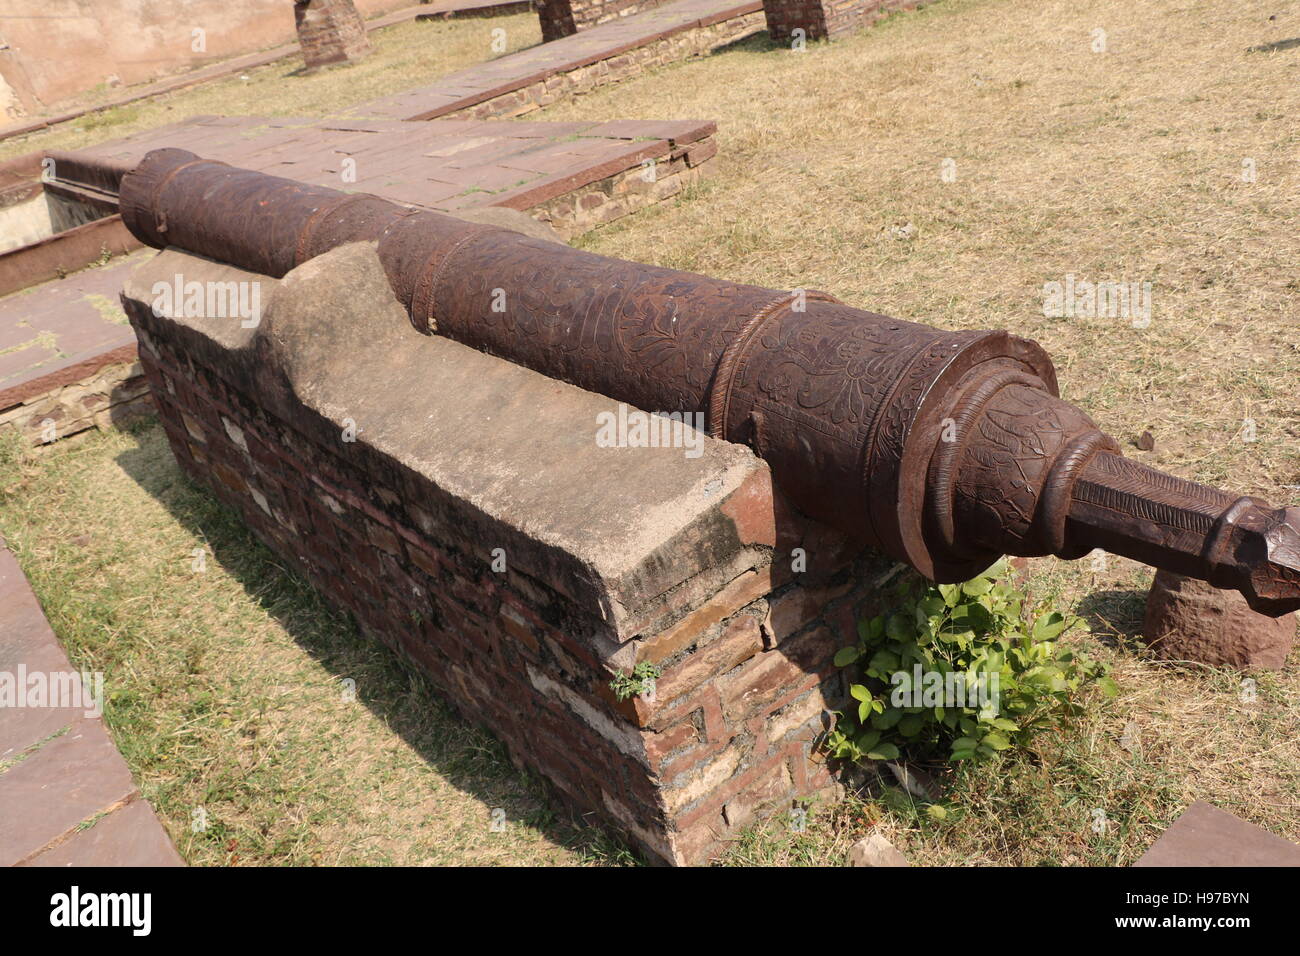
556,17
330,31
825,19
560,18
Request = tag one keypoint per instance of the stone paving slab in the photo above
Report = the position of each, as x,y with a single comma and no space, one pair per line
23,642
52,329
66,794
127,837
485,81
396,160
1207,836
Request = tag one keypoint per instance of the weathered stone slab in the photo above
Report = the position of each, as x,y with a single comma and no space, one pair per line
26,646
67,781
1207,836
614,528
66,795
129,836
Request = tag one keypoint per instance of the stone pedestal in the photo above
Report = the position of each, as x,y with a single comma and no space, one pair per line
467,513
1188,620
330,31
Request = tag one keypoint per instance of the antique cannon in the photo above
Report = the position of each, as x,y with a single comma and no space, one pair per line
943,449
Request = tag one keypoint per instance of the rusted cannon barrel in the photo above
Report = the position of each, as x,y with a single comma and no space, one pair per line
943,449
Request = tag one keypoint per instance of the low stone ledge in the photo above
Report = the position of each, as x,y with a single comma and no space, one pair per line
102,391
474,524
518,99
652,523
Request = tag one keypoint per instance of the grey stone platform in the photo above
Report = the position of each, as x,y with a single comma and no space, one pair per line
66,794
1207,836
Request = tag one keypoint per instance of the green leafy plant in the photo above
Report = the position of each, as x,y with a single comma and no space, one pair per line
959,669
639,681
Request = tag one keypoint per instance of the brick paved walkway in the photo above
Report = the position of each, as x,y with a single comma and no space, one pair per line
66,795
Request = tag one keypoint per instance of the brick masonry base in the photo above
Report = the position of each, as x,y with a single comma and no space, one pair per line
474,525
573,213
108,390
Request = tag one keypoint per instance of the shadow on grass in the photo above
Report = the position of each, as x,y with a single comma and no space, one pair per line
759,42
1115,617
1275,46
468,757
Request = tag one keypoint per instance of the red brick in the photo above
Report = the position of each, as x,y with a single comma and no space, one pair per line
740,641
659,745
741,592
752,511
770,788
767,679
798,606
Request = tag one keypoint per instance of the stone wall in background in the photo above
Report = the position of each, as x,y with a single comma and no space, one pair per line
51,53
463,511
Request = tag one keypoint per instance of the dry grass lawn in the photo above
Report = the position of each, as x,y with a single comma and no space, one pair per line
1125,164
227,682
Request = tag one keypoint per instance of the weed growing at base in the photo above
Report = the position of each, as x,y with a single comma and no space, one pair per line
957,669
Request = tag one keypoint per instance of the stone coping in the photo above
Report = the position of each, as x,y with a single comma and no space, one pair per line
478,428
